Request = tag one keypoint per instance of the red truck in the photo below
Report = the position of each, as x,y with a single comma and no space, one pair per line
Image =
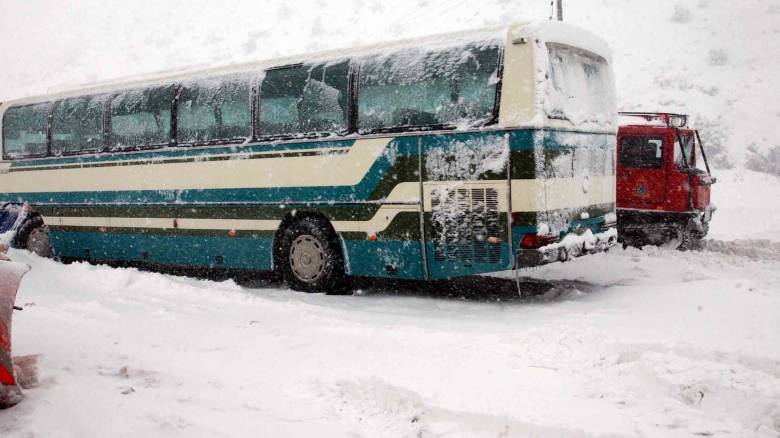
663,194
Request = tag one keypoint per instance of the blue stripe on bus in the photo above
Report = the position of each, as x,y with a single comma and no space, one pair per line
168,249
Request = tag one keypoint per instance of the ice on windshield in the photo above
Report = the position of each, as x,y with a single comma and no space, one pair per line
580,87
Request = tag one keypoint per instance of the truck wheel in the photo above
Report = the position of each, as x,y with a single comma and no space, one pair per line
311,258
687,241
33,236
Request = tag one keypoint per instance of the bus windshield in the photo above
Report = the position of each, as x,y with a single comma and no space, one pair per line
580,86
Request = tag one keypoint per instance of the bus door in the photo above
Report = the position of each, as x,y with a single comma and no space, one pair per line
465,192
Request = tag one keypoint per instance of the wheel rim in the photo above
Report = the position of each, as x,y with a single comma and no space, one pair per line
307,258
38,242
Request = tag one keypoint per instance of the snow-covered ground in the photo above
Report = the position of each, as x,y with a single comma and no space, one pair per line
631,343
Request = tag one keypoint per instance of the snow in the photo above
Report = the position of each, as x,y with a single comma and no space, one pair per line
748,205
652,343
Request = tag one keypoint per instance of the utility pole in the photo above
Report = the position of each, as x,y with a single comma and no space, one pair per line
559,4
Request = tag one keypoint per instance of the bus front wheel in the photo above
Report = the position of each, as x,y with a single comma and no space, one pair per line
33,236
311,258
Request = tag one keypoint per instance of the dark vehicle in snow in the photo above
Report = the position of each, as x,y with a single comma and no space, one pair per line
663,196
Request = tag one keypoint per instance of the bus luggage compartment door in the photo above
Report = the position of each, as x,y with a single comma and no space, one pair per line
465,203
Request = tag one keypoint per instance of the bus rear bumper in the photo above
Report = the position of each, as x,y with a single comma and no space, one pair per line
568,248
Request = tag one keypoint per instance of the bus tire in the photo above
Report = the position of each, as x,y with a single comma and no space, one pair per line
33,236
311,258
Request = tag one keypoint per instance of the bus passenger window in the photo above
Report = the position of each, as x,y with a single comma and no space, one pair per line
325,100
304,99
641,152
417,89
215,109
77,125
24,131
141,117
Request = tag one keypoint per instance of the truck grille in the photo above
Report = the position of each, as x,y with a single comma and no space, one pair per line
463,220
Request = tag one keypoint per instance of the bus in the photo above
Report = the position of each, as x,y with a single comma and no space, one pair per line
445,156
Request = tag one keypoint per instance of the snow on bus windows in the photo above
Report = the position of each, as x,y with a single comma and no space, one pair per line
215,109
25,131
305,99
418,88
641,152
580,87
77,124
141,117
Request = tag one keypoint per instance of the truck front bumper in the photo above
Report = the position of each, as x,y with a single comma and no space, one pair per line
569,247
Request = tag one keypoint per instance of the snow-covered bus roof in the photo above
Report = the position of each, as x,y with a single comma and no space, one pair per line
547,31
562,33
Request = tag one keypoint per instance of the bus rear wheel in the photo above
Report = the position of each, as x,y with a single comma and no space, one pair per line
311,258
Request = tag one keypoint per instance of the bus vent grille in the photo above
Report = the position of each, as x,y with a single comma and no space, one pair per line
463,220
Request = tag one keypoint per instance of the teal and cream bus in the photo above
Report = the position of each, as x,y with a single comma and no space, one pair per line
444,156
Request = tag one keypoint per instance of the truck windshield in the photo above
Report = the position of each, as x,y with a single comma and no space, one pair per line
687,148
580,87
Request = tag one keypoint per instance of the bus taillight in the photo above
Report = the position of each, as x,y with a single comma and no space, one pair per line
534,241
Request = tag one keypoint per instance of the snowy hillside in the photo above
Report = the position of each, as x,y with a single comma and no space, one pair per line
715,59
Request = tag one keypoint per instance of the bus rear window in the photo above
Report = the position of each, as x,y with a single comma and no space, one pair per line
25,131
641,152
580,87
415,88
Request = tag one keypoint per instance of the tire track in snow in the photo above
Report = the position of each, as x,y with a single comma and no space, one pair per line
761,249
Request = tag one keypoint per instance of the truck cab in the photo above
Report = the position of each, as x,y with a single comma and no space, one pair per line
663,181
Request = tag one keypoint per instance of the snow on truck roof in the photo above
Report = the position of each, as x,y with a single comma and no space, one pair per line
663,120
541,31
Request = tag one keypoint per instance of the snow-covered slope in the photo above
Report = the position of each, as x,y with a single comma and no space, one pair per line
715,59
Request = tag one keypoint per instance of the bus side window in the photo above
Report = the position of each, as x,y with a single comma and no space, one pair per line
324,104
25,131
215,109
641,152
304,99
141,118
413,88
77,124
